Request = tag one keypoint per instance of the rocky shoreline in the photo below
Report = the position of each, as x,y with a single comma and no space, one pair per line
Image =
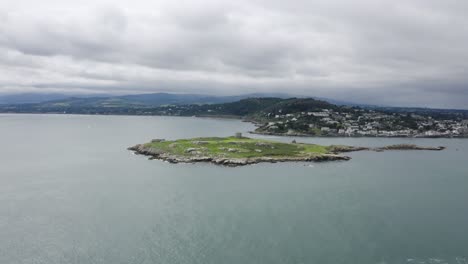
153,153
408,147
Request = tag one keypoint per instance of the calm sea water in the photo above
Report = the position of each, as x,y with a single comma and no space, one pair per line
70,192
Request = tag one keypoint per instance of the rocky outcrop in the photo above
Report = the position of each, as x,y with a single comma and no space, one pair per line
144,150
343,148
408,147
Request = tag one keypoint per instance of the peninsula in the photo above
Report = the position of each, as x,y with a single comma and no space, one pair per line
240,151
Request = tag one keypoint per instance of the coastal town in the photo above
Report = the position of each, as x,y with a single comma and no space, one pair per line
314,118
361,123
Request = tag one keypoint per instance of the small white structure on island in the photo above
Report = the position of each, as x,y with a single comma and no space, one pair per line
238,135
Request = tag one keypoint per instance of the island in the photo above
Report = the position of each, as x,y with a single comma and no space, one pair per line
239,151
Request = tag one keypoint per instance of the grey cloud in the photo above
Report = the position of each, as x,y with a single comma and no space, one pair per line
84,39
392,52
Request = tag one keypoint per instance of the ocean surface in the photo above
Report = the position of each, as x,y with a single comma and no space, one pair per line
70,192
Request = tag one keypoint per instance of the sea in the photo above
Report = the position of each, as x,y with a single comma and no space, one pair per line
71,192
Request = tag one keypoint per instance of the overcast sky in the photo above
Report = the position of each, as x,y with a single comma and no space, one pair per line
400,52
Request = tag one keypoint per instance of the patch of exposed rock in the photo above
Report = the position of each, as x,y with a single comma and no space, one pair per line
199,142
343,148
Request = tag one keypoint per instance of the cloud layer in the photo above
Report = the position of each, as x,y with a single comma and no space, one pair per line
387,52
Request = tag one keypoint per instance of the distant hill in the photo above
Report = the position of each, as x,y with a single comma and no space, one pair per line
133,100
158,99
171,104
252,107
30,98
195,104
34,98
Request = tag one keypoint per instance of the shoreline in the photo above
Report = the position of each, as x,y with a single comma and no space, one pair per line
302,135
242,119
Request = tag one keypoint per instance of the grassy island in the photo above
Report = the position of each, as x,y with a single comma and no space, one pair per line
238,150
234,151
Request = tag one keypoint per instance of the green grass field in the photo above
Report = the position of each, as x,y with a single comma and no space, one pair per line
232,147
